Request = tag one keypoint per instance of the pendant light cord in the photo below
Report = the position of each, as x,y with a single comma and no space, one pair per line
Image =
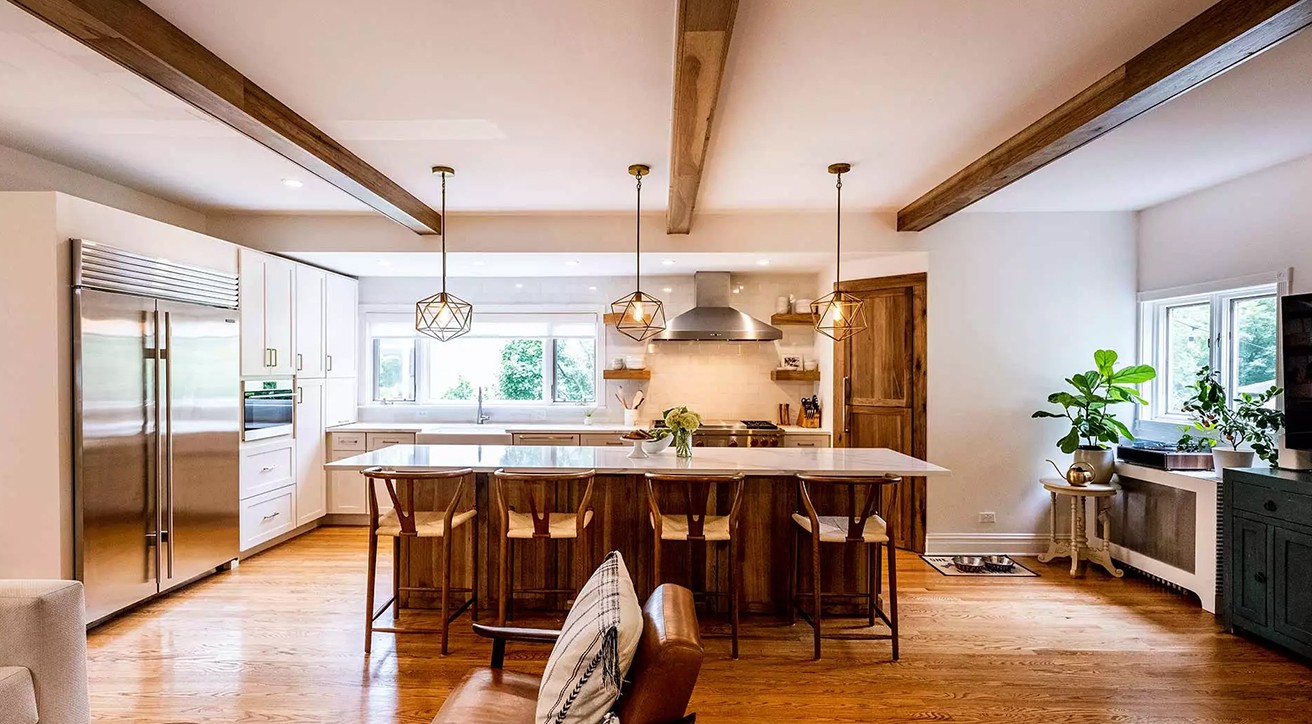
444,220
838,234
637,235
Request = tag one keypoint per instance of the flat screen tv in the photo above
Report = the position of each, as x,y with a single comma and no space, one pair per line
1296,356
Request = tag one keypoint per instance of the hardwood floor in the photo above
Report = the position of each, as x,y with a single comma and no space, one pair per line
279,639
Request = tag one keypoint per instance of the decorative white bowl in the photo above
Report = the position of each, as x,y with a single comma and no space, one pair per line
654,446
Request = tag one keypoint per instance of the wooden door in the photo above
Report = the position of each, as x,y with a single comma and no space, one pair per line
1250,561
1292,583
311,483
309,318
880,386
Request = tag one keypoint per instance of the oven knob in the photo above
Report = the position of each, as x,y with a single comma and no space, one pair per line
733,442
774,442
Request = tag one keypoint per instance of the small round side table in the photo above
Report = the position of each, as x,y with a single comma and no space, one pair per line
1078,545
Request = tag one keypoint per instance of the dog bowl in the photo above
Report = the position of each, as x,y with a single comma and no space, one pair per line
968,564
999,564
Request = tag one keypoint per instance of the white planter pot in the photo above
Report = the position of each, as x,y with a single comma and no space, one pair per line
1222,459
1102,461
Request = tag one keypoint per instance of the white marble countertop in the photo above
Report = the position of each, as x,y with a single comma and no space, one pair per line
493,428
616,460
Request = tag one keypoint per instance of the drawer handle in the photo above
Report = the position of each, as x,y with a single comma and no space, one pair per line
1260,577
268,468
1270,505
270,516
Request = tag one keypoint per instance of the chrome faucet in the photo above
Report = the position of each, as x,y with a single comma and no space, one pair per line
479,417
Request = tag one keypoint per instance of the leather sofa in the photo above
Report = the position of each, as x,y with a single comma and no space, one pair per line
656,690
43,653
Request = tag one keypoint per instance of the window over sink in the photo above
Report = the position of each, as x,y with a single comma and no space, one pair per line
528,358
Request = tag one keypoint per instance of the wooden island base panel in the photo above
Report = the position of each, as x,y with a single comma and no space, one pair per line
621,520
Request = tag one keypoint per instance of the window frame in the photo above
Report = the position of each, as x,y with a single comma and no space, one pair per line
421,360
1154,342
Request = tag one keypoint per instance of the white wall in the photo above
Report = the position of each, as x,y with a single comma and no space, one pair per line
37,298
719,379
1257,223
21,171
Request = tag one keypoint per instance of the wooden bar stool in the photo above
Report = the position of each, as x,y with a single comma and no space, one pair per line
539,524
699,522
406,522
861,524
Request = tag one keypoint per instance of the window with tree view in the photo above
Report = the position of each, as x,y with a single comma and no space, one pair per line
1233,331
526,358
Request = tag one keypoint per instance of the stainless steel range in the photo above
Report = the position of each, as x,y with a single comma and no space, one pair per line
734,433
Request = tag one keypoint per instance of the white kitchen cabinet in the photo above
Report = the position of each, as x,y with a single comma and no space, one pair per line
266,466
340,322
311,485
267,516
267,307
339,398
311,298
345,487
545,438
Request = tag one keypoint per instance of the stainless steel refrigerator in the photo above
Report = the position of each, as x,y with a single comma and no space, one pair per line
157,424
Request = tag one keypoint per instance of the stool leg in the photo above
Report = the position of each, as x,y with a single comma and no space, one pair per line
872,580
473,578
892,591
503,581
793,575
369,592
656,564
734,572
815,589
446,590
396,578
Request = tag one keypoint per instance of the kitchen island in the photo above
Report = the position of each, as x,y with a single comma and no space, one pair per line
621,516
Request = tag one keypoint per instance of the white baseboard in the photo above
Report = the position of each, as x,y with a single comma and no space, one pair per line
1012,544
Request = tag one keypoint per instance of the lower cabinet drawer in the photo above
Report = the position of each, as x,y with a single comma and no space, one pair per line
347,440
545,438
380,440
267,468
1273,503
267,516
613,439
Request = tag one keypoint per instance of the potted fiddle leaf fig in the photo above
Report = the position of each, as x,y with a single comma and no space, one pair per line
1230,423
1087,407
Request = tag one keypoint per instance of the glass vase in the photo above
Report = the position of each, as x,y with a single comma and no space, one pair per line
683,444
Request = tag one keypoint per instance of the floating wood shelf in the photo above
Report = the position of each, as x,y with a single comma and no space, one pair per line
611,318
790,318
795,375
627,374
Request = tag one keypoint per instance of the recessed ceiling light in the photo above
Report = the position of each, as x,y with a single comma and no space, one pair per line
592,289
667,290
763,262
292,183
667,262
519,286
573,262
384,262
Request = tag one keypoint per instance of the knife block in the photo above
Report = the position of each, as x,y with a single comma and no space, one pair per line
805,420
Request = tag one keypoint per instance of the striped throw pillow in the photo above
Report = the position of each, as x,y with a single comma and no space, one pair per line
596,646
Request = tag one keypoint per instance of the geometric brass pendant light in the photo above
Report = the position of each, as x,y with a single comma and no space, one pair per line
443,316
838,314
641,316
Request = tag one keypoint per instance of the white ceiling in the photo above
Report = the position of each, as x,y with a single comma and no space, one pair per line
541,106
519,264
1253,117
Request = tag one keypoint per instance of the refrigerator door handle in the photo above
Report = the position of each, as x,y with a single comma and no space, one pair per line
168,439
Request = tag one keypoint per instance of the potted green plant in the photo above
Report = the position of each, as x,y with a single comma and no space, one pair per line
1093,426
1229,423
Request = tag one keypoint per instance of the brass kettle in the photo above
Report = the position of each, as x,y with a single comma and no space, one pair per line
1079,474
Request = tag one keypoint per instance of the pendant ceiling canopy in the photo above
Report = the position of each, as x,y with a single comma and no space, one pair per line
641,316
838,314
443,316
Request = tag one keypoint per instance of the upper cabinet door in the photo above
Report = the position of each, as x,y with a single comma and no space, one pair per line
340,326
279,308
310,300
255,355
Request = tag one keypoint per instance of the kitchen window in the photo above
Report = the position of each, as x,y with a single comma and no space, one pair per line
1232,330
517,358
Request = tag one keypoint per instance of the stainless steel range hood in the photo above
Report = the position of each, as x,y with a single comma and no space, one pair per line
712,319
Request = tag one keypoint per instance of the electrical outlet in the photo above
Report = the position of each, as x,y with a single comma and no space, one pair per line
988,517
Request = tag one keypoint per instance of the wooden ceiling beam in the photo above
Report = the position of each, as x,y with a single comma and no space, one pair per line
704,28
1223,36
136,37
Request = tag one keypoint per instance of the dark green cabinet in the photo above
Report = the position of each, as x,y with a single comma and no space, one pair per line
1267,555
